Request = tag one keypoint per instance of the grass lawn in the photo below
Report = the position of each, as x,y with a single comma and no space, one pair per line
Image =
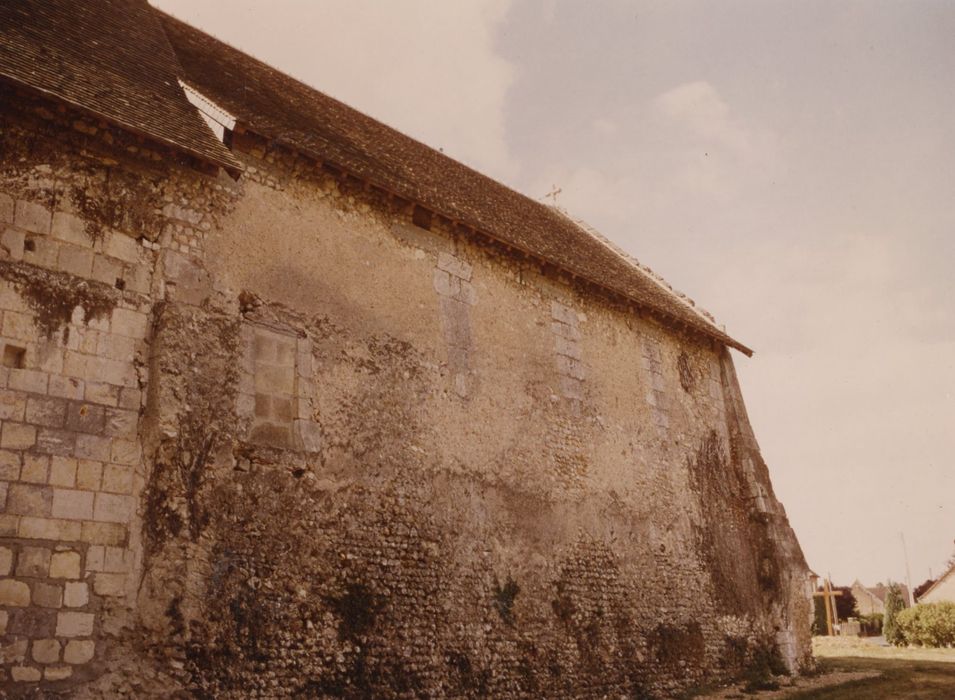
905,673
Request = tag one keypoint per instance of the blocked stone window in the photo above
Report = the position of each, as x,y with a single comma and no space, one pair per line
275,387
456,296
274,378
569,352
652,355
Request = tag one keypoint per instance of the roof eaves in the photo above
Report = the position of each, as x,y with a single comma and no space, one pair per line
227,162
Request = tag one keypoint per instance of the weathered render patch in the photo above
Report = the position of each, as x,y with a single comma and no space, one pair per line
656,396
456,294
568,351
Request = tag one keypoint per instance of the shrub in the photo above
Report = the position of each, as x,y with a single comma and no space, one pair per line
894,604
871,624
928,624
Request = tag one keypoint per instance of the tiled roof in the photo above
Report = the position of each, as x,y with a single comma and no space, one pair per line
289,112
121,60
111,59
948,572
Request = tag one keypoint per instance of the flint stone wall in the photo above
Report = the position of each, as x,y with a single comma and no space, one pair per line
270,438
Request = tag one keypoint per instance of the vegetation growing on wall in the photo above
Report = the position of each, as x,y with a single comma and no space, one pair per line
53,296
197,379
122,202
504,597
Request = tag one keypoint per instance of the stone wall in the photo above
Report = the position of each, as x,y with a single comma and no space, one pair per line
271,438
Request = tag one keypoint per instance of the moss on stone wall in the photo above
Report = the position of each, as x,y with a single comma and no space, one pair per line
53,296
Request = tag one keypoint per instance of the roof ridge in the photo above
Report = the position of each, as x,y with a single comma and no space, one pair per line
631,260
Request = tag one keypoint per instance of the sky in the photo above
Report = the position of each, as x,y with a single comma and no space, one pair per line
790,166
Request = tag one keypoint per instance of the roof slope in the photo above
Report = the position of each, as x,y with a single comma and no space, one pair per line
111,58
941,579
281,108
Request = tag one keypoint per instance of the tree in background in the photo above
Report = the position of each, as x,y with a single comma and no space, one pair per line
894,604
819,627
846,603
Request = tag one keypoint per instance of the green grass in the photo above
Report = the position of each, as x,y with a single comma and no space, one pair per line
925,674
900,678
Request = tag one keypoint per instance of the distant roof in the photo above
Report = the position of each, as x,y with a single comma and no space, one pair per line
949,572
110,59
880,590
289,112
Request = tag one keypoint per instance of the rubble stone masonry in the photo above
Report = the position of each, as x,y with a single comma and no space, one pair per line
270,438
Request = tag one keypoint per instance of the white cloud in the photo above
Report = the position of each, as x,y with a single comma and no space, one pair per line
712,150
426,67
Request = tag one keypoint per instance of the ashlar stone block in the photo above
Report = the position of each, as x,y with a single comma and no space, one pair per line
47,595
12,240
62,471
79,651
33,561
46,411
57,673
28,380
32,216
454,266
74,624
14,593
12,405
112,508
17,436
70,228
48,529
13,652
9,465
65,565
25,674
29,499
75,261
70,504
76,594
109,584
129,323
35,469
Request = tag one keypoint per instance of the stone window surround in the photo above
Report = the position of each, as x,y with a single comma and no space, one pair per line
303,433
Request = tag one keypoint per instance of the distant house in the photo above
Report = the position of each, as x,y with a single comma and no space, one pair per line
942,589
871,601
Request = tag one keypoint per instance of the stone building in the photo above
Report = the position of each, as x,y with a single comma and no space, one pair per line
293,405
870,600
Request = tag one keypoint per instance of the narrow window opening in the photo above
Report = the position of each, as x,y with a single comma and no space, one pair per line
120,283
29,245
14,357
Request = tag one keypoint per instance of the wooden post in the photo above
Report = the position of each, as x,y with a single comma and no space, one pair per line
829,598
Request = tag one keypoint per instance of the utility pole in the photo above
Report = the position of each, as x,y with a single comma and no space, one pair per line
908,576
